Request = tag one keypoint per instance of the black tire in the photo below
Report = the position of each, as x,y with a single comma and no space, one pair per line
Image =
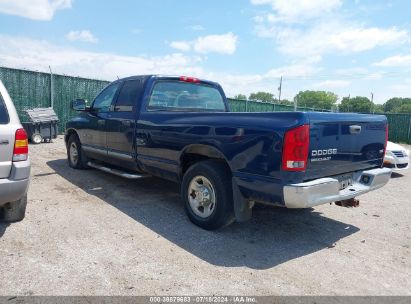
79,162
219,176
14,211
36,138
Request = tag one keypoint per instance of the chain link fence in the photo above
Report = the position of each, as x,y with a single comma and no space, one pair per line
27,89
399,130
30,89
399,124
239,105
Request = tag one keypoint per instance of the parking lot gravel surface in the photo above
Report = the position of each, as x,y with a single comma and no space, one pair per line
91,233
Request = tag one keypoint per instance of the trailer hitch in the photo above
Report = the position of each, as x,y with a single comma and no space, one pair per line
353,202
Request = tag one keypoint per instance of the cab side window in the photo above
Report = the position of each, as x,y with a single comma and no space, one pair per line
4,116
104,100
128,96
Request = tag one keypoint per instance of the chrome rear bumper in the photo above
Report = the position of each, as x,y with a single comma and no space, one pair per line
327,190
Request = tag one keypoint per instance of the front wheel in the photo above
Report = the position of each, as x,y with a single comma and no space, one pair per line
207,193
75,154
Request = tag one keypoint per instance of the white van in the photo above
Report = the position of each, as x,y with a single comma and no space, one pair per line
14,162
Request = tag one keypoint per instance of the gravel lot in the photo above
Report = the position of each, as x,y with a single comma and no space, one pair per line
90,233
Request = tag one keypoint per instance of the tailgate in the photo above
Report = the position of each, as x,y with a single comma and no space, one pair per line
342,143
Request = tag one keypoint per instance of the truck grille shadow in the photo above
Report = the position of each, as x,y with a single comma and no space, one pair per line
272,237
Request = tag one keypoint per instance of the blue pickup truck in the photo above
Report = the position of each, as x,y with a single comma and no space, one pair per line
181,129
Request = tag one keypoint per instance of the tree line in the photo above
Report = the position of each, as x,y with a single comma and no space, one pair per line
328,100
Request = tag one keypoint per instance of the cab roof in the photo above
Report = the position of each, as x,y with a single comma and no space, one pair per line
144,78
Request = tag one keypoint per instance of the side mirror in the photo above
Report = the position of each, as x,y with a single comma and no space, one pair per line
79,105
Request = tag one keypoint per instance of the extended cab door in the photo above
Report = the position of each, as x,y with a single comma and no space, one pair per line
121,123
93,139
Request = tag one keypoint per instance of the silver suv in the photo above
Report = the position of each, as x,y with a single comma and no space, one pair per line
14,162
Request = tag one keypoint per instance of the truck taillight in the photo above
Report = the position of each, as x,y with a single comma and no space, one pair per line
295,150
189,79
21,146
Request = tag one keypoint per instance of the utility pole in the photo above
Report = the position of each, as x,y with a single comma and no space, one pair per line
372,102
280,89
51,88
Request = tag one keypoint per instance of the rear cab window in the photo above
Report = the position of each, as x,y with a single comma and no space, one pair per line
169,95
4,115
128,96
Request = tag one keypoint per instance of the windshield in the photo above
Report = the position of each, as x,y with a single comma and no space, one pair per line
177,96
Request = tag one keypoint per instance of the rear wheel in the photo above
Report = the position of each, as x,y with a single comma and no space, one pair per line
207,193
14,211
75,155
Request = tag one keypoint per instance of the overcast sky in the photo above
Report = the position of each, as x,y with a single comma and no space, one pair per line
348,47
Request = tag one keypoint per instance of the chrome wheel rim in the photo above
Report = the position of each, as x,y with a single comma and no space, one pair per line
73,154
201,196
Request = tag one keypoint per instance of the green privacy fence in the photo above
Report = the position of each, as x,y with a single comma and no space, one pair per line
27,89
30,89
399,124
68,88
238,105
399,130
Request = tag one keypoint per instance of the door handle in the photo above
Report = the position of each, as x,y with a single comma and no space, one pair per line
355,129
101,122
4,142
126,123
